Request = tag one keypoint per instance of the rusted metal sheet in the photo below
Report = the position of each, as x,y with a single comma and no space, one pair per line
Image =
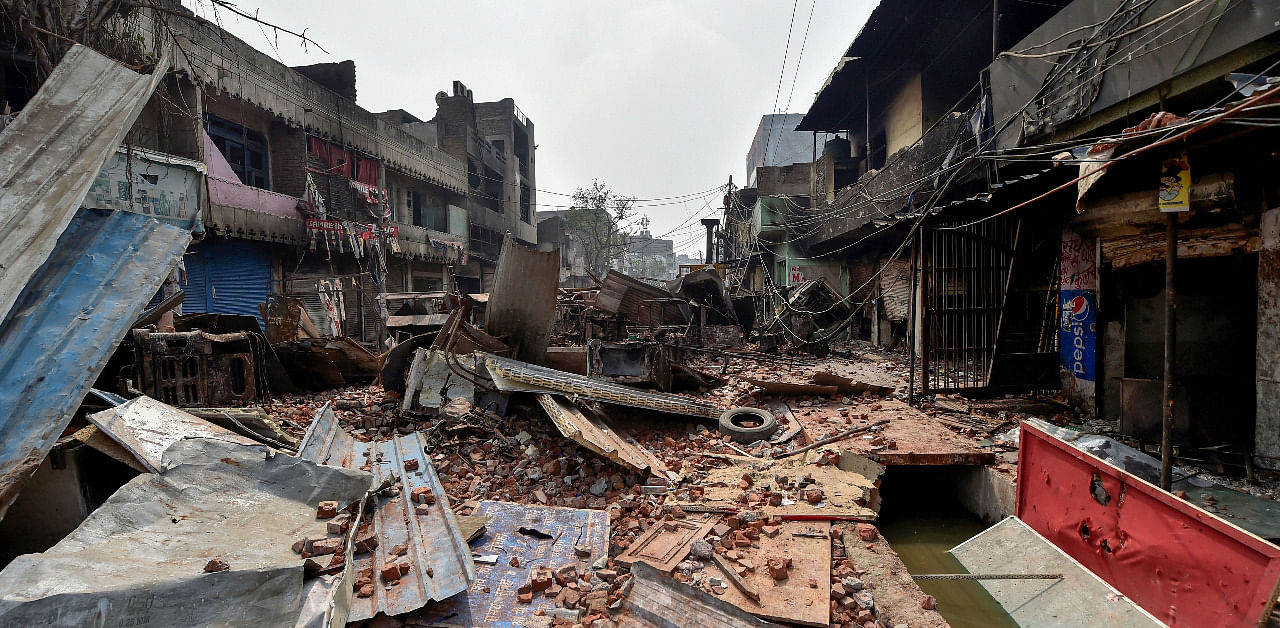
147,428
596,435
640,302
666,543
322,363
849,387
50,155
197,368
1180,563
283,317
793,390
522,303
515,376
658,601
491,600
75,310
139,559
433,540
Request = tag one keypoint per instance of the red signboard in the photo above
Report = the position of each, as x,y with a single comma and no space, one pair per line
1183,565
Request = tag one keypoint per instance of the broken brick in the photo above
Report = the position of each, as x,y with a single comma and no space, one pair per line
327,510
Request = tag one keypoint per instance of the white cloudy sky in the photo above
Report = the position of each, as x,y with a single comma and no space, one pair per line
655,98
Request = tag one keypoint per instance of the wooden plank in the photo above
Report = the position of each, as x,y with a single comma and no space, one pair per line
667,543
733,577
791,600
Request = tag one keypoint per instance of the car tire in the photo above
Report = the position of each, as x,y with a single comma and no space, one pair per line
747,425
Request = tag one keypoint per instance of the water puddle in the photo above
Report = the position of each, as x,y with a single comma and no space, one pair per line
922,530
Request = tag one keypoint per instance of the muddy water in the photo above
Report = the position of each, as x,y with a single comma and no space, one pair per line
921,532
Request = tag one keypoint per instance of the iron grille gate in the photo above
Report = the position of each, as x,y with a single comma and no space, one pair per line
963,284
990,306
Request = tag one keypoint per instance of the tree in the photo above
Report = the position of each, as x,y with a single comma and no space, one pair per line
599,219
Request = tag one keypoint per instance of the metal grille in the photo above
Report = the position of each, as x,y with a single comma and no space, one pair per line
964,277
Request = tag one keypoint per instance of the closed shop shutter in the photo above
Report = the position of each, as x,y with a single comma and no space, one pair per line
195,297
227,277
895,289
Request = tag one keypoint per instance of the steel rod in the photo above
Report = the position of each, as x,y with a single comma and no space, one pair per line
1170,341
988,576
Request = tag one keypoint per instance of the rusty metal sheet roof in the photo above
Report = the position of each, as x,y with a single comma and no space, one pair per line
599,437
139,559
147,428
66,324
51,154
434,540
515,376
492,601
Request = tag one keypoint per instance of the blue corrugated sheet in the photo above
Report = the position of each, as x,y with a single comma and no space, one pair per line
65,325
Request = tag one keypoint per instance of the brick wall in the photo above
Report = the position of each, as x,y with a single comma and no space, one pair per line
288,155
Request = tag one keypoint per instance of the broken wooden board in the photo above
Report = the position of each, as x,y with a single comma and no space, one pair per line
788,389
808,545
491,599
597,435
657,601
794,429
845,493
848,387
666,543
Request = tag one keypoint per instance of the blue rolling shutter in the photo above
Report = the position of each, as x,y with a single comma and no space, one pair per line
195,291
227,277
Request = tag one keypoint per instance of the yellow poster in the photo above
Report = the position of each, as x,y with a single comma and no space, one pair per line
1175,184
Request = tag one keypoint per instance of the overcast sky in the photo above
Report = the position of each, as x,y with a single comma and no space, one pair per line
656,99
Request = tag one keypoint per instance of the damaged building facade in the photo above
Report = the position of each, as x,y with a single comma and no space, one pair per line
964,201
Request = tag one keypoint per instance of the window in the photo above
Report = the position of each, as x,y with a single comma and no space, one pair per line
415,207
245,150
526,207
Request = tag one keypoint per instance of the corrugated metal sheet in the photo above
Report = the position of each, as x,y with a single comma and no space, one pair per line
50,155
147,428
139,559
433,540
515,376
522,303
66,324
492,601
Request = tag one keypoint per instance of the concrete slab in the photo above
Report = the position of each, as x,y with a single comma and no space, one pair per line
1079,598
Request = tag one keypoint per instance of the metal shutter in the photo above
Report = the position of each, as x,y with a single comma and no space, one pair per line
895,289
195,289
227,277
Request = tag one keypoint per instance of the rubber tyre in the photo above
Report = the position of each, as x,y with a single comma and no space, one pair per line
729,424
